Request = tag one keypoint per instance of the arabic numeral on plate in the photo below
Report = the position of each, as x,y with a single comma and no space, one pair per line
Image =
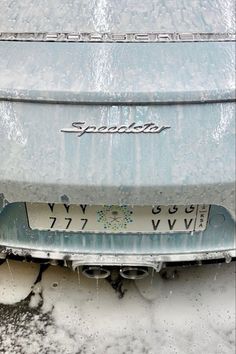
171,224
84,223
155,224
188,223
53,218
68,223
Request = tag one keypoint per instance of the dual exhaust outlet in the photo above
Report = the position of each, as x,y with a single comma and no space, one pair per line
127,272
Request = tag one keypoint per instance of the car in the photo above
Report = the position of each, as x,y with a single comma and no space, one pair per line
117,134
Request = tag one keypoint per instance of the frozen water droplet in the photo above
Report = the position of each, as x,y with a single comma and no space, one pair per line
97,288
152,276
10,271
78,276
228,258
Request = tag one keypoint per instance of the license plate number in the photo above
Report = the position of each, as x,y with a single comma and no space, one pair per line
117,219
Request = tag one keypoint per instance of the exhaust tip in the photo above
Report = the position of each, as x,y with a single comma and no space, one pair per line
134,272
95,272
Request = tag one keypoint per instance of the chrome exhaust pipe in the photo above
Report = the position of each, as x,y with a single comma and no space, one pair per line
134,272
95,272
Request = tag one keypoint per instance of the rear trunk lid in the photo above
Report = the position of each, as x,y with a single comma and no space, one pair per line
172,66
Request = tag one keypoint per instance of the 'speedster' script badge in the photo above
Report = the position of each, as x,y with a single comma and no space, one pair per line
81,128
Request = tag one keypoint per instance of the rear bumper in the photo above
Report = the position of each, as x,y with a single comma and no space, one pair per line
156,262
216,242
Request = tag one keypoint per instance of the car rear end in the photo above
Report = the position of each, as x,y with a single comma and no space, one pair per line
117,134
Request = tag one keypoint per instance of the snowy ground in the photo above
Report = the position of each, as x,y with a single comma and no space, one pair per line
192,313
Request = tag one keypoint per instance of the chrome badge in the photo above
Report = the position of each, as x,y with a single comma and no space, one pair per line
107,37
80,128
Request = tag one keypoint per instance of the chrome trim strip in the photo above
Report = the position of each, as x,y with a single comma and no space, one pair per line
105,37
153,261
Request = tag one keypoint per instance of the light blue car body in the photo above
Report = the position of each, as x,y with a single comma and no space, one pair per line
188,86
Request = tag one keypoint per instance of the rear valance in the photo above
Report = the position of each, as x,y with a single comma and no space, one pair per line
117,72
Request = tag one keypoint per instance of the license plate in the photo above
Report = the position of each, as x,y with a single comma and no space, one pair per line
117,219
